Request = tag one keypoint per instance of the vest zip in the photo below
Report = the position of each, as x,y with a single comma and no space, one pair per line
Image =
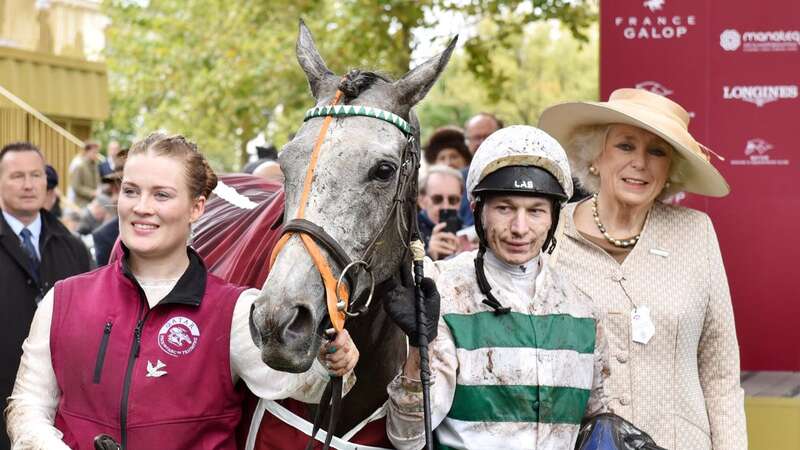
101,353
126,386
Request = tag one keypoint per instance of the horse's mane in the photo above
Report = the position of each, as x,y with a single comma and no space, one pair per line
357,81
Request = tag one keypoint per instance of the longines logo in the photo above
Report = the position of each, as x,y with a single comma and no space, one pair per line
759,95
756,150
732,40
656,25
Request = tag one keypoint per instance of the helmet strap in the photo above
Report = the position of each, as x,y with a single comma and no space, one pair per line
483,285
550,241
480,274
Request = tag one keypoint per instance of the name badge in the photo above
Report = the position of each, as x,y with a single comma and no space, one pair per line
642,327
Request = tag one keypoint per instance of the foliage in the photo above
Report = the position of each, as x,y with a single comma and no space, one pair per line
223,71
545,65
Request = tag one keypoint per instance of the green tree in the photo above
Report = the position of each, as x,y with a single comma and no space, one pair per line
222,71
544,65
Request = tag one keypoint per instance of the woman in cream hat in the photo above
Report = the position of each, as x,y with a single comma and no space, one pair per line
654,269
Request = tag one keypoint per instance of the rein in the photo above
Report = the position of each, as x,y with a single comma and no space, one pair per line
337,294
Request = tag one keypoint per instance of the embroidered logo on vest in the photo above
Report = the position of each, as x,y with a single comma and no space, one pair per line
178,336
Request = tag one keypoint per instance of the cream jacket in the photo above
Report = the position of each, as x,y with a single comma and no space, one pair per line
682,387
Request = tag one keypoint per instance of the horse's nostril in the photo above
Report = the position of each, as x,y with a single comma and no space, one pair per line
301,321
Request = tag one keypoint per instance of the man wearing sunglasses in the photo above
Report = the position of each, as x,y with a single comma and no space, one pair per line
440,197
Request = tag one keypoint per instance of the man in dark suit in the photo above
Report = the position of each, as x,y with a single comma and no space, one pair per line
36,250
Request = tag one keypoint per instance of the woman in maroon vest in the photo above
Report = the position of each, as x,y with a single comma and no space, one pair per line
149,349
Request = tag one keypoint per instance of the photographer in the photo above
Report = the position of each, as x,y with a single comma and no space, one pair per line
440,190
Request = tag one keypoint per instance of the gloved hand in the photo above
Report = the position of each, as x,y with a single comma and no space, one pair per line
105,442
400,303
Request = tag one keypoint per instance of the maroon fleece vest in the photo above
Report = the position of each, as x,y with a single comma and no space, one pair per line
151,378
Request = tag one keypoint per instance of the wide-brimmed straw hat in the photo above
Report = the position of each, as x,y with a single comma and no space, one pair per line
646,110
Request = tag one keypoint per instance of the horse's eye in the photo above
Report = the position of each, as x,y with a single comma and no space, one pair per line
383,171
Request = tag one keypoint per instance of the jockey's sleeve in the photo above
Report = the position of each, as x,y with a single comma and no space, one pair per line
404,422
263,381
31,410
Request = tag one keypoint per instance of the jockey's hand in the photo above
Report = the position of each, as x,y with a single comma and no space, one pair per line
400,303
340,355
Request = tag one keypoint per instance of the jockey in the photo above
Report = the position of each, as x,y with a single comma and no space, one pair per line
518,356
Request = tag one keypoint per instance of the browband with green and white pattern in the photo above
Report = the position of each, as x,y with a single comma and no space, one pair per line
357,110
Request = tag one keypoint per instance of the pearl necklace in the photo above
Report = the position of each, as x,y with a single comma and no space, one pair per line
619,243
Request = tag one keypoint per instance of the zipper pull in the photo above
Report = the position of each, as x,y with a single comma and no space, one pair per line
107,329
138,337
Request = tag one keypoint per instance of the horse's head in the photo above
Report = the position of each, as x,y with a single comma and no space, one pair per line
362,162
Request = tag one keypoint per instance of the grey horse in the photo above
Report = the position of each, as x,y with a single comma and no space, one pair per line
351,198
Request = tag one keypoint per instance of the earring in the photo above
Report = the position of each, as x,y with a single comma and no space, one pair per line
593,170
667,185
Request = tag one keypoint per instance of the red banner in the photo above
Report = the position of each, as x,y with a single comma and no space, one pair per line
735,66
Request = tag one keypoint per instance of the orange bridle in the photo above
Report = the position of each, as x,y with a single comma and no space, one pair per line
336,310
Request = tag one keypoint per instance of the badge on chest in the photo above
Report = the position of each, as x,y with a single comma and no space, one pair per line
642,327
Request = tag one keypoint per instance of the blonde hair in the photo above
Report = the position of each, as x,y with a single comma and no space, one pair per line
200,177
585,145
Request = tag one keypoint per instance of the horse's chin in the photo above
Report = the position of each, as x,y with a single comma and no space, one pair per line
294,359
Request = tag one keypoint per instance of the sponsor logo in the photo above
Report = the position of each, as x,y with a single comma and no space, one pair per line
732,40
178,336
654,5
759,95
526,184
756,150
655,87
656,25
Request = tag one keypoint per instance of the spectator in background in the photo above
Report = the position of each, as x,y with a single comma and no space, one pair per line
447,147
442,187
106,235
52,199
94,214
112,161
479,127
476,129
270,171
35,252
84,176
264,154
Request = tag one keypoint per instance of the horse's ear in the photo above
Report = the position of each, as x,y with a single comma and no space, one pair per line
310,60
415,84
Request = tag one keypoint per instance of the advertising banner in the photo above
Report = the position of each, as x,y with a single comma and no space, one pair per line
735,66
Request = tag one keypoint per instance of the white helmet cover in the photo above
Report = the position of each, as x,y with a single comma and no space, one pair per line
519,145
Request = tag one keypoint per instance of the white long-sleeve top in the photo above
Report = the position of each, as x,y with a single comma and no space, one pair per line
31,410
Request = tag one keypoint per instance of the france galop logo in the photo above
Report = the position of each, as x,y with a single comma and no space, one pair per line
654,5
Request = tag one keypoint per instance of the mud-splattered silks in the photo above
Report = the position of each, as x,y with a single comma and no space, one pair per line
519,380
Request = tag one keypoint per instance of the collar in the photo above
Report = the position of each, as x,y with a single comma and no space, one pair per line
528,270
191,286
16,226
